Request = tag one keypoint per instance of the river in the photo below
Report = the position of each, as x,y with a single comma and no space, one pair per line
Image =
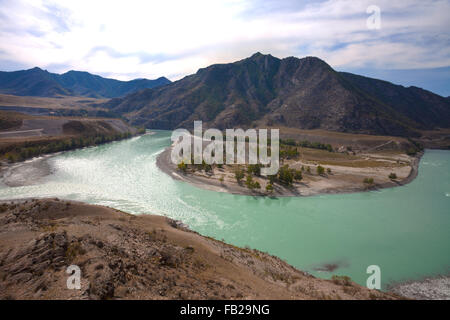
403,230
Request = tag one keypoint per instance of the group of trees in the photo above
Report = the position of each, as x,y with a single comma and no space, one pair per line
141,130
252,184
307,144
36,148
415,148
289,153
286,176
196,167
182,167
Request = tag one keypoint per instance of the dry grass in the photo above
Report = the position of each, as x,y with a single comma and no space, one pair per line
52,103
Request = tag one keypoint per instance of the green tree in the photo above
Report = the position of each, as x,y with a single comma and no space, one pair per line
298,175
208,168
254,169
239,174
285,175
252,184
182,167
249,181
320,170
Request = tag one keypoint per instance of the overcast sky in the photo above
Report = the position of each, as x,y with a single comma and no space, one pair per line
173,38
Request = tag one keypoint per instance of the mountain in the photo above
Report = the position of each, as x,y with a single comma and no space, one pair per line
32,82
303,93
422,106
38,82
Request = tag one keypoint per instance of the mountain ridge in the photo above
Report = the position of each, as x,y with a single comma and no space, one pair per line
41,83
305,93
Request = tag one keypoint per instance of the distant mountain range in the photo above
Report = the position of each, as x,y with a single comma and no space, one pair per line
41,83
307,93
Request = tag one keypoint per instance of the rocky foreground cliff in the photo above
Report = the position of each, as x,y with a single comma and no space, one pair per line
123,256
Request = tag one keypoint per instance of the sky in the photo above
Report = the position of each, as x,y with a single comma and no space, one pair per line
407,43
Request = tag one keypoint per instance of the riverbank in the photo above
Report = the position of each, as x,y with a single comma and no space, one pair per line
436,288
124,256
26,172
24,136
31,171
343,178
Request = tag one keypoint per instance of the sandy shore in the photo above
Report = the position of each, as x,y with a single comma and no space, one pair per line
342,180
25,173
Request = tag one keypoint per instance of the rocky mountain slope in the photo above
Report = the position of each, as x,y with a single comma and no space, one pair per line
38,82
299,93
123,256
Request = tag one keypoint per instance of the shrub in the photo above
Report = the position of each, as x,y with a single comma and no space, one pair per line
392,176
289,153
254,169
141,130
239,174
269,188
368,181
286,175
316,145
272,178
411,151
298,175
341,280
208,168
182,167
249,181
251,184
320,170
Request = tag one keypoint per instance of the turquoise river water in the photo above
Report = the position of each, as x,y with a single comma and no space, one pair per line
404,230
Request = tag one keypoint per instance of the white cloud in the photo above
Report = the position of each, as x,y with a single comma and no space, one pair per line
187,35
